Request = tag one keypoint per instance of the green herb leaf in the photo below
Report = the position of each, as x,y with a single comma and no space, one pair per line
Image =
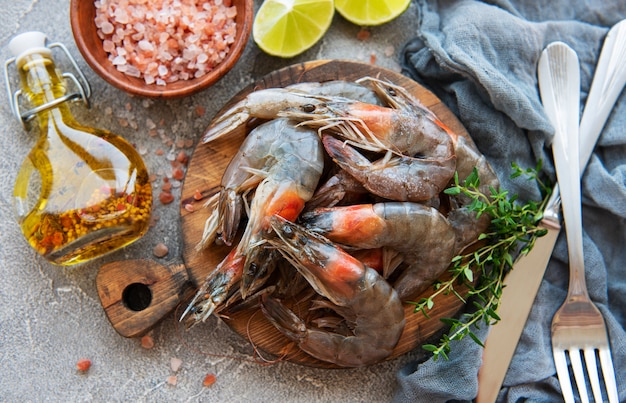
513,230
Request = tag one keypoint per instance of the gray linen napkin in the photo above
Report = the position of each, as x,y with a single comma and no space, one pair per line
480,58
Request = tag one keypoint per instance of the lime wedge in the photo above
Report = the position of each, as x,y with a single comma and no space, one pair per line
371,12
286,28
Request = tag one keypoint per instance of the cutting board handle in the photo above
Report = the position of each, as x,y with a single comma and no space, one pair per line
137,294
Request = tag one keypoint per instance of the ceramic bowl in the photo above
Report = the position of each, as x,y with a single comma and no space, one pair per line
82,17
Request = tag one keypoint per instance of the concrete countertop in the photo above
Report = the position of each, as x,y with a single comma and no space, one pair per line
51,316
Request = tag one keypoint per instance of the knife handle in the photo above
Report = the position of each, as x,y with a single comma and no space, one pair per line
608,81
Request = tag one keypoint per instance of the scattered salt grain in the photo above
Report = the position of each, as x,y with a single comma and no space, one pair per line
182,157
363,34
209,380
166,197
160,250
198,37
147,342
83,364
175,363
178,174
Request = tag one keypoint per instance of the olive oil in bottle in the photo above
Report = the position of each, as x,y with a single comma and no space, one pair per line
81,192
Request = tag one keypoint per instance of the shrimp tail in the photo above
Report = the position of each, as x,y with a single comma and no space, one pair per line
230,209
287,322
227,122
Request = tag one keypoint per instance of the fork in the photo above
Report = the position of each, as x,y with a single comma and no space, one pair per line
578,325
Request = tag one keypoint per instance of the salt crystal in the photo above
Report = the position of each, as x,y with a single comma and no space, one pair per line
121,16
119,60
162,70
160,250
145,46
108,46
139,27
165,31
175,363
107,28
133,71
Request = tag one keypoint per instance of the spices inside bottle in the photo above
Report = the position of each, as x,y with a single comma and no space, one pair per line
81,192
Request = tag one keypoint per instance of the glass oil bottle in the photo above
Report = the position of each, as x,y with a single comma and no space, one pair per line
81,192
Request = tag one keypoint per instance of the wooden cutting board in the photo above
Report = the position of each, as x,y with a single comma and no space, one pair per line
137,294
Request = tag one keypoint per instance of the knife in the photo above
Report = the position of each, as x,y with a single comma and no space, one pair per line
522,283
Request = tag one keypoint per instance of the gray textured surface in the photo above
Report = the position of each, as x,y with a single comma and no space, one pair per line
51,316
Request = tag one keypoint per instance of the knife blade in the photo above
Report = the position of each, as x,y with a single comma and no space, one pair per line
522,283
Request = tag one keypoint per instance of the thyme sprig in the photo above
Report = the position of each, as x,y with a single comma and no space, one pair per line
513,231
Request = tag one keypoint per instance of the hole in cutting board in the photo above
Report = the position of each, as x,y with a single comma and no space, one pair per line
137,297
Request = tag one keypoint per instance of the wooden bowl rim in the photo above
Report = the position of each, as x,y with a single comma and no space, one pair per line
86,40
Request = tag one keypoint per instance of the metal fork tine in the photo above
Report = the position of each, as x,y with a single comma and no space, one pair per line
579,374
592,370
609,374
563,374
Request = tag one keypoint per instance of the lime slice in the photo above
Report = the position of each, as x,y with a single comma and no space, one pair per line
287,28
371,12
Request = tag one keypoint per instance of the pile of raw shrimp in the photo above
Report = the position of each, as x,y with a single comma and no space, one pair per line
342,187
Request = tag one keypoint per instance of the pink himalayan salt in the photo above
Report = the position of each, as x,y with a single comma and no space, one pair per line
168,40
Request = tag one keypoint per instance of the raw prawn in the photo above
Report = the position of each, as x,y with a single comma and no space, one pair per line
420,234
394,177
267,103
358,293
290,161
419,160
467,226
403,127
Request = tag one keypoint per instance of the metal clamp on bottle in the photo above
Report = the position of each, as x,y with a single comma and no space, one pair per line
83,93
